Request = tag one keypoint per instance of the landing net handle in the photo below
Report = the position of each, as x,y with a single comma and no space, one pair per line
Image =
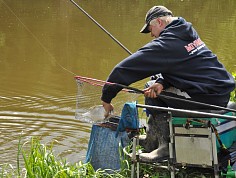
91,81
101,83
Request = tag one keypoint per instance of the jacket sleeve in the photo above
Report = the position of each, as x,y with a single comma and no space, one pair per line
147,61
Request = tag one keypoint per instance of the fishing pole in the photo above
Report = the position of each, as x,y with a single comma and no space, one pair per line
135,90
184,111
101,27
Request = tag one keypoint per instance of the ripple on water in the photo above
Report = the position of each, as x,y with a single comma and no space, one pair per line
70,135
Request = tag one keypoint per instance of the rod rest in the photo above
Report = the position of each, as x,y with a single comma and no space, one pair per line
230,105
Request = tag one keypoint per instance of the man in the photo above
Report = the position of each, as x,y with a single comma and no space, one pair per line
186,68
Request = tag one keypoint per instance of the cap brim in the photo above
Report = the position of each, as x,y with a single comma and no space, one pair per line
145,29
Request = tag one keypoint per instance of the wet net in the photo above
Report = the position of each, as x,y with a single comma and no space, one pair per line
88,100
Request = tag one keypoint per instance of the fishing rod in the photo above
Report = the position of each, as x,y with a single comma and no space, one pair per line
135,90
197,113
101,27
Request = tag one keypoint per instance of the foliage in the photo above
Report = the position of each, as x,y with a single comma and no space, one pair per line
233,93
39,161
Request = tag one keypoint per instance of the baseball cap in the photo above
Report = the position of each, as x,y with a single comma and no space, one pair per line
154,12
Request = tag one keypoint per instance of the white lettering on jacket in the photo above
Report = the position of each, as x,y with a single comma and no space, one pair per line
194,46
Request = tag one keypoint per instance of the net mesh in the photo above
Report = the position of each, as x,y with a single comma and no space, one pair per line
88,102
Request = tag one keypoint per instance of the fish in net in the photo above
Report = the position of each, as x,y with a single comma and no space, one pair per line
88,100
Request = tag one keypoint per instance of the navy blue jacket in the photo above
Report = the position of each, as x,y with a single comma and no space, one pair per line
184,61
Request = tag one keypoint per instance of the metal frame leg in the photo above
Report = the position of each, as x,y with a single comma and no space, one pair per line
215,157
171,147
133,158
135,161
137,157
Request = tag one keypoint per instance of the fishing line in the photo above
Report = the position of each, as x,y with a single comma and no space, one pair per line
39,42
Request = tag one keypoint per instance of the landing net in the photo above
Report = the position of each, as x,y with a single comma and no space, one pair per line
88,102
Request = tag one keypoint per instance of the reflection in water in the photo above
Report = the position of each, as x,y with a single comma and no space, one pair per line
43,44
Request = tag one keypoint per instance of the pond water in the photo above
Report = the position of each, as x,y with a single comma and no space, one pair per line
44,44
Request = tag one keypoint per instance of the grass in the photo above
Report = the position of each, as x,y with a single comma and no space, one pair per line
40,162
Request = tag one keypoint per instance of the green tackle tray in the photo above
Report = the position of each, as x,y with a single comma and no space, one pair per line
180,121
225,128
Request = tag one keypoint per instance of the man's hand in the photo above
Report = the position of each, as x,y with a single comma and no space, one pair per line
153,91
108,108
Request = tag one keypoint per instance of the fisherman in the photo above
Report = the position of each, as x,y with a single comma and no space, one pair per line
186,69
